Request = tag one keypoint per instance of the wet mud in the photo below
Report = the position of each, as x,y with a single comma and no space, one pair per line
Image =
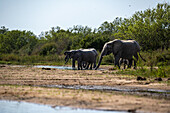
87,89
125,89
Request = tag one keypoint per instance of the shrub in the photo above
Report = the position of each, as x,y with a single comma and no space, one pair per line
49,48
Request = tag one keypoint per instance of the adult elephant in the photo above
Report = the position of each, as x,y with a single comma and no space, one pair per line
87,56
125,49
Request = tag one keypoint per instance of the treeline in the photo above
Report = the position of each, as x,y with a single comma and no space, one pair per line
150,28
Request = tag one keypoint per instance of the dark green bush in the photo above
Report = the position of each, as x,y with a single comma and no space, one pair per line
48,49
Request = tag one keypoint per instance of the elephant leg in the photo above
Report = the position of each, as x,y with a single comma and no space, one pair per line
130,63
73,63
124,64
117,58
135,61
84,64
79,65
94,64
87,65
91,66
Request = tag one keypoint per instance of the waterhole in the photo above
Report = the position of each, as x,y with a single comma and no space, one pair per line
25,107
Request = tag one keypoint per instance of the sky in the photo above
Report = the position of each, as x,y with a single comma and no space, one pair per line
40,15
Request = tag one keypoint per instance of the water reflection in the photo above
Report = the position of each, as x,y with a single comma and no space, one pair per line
25,107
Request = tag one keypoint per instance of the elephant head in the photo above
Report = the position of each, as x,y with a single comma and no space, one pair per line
109,47
69,55
72,54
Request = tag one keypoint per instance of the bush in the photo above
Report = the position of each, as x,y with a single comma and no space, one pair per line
32,59
155,58
108,60
144,72
48,49
9,57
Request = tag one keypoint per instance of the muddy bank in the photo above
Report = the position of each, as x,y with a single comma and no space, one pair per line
129,90
98,100
38,76
18,83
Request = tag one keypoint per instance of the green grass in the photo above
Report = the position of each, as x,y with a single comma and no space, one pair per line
163,72
32,60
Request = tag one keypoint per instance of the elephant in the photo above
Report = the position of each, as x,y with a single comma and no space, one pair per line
125,62
125,49
84,57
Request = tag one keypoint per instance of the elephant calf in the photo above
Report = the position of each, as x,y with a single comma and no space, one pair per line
125,63
82,56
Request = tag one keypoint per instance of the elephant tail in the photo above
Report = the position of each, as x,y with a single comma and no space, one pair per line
142,57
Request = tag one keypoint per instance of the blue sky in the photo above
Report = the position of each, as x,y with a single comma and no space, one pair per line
41,15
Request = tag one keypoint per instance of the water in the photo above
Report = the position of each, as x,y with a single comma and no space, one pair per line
25,107
54,67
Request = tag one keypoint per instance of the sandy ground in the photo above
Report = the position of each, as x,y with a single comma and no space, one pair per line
24,84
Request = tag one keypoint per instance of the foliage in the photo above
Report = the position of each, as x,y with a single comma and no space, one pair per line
150,28
31,59
13,41
144,72
48,48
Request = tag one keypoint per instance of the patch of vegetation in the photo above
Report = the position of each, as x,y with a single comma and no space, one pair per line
31,59
162,72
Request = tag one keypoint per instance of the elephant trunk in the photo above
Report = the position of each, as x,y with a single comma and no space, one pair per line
66,59
103,53
100,60
142,57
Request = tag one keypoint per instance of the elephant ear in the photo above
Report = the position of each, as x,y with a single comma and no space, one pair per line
117,46
109,47
75,54
66,52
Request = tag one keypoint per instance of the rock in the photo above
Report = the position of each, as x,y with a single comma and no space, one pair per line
158,79
46,68
132,110
2,66
147,83
141,78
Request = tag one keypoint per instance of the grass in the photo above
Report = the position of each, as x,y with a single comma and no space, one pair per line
162,71
31,60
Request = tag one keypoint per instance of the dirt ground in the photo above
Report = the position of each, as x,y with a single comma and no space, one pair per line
25,84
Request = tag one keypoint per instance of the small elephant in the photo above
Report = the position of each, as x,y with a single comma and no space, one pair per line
125,49
125,62
84,57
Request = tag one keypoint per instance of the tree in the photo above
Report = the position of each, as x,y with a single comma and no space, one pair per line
3,30
150,28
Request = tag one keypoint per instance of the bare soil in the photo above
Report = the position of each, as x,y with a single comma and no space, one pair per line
24,84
